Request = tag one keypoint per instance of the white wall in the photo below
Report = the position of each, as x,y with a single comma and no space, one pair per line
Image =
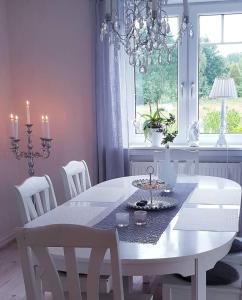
51,55
7,170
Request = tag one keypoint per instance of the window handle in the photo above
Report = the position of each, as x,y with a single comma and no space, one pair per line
182,88
192,89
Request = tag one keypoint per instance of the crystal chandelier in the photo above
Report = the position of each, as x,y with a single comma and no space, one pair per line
142,28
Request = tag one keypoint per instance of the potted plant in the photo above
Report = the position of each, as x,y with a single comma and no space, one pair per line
158,127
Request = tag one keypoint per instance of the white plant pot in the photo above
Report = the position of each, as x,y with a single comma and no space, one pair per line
155,137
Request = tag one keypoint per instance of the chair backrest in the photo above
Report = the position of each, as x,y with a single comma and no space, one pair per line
68,237
35,197
185,161
76,178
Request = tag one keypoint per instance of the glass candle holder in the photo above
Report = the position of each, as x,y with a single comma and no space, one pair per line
122,219
140,217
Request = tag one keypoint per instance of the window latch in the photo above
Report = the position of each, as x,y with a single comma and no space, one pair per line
192,89
182,88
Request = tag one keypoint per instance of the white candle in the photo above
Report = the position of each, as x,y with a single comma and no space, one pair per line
43,126
16,127
12,126
28,112
47,127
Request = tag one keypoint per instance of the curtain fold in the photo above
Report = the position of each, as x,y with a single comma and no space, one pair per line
110,150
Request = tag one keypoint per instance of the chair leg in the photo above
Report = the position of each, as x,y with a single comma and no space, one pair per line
146,279
128,284
39,283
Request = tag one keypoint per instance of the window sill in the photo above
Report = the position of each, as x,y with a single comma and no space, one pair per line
207,153
180,146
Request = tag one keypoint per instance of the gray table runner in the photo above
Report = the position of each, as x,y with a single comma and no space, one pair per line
157,221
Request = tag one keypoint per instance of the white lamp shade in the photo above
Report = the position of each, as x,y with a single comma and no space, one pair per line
223,88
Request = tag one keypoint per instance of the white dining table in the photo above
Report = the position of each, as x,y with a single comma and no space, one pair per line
186,252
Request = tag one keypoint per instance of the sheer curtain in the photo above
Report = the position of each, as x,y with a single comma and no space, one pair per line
111,156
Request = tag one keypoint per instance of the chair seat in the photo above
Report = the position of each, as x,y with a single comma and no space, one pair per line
105,286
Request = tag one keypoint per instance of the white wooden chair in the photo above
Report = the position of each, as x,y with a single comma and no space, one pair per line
36,196
76,178
70,237
185,161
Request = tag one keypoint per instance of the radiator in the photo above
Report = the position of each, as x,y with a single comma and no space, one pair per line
226,170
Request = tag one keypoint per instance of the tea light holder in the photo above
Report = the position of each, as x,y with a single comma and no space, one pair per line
122,219
140,217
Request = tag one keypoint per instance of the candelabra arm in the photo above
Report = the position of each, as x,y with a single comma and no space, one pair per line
46,146
15,148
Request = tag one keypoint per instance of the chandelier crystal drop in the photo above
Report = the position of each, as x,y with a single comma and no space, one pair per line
142,28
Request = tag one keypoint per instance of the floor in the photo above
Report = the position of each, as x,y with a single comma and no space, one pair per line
11,280
12,285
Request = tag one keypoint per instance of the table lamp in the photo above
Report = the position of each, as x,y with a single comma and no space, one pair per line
223,88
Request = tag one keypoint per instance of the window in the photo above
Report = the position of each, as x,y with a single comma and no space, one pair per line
183,86
157,88
220,54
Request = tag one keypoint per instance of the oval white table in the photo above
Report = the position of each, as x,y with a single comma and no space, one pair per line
177,251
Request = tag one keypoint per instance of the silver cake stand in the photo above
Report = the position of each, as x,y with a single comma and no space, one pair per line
152,202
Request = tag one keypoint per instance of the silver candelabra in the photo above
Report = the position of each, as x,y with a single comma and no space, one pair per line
30,155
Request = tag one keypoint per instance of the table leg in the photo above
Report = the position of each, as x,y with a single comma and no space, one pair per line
146,279
199,282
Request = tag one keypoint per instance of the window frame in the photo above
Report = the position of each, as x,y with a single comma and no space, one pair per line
188,102
138,139
194,12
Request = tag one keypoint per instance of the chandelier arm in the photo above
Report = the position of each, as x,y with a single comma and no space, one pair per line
142,9
122,36
130,34
131,11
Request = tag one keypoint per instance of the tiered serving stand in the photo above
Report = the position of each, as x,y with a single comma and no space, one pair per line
159,196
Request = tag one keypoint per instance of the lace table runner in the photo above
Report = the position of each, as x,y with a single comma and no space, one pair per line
157,221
